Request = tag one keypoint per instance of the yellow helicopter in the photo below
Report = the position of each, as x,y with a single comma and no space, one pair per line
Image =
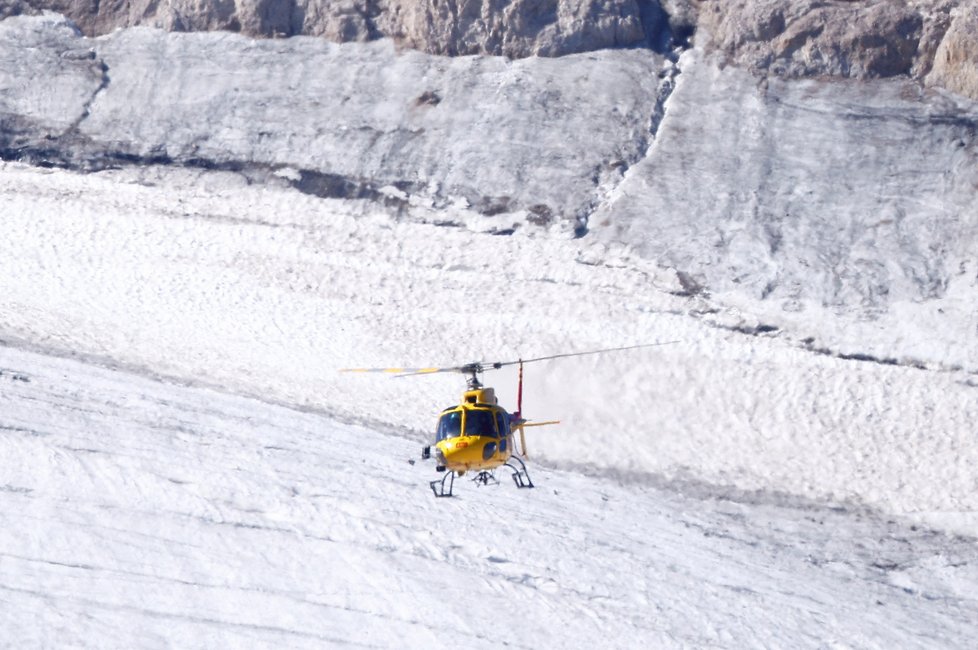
477,434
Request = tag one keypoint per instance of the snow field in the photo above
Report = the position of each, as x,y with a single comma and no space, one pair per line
263,291
143,514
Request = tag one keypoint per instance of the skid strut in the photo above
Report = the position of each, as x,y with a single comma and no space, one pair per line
520,476
438,487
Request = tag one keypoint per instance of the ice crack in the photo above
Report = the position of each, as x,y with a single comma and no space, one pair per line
87,106
643,144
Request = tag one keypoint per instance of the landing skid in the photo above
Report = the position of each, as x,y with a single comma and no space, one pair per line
520,476
438,487
443,486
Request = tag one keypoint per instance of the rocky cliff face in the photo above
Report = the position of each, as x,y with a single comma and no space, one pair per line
800,38
956,61
514,28
932,41
805,38
522,27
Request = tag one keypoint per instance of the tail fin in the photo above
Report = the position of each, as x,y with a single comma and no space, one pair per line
519,422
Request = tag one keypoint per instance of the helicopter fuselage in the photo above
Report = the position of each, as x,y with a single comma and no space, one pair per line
474,435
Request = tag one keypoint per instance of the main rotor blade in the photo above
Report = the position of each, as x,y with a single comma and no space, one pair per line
411,372
400,371
500,364
478,367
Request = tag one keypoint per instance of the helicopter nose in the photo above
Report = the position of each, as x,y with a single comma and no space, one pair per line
455,449
459,451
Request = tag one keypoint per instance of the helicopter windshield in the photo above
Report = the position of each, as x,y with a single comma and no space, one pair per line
479,423
450,425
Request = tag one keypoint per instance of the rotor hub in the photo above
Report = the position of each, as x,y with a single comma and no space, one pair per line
472,381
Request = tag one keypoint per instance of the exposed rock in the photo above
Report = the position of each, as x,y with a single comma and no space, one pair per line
257,17
956,63
682,17
805,38
846,38
860,39
937,18
17,8
514,28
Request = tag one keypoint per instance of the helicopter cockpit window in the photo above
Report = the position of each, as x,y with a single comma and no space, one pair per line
502,423
450,425
479,423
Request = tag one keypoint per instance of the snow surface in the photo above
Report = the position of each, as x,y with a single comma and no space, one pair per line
142,514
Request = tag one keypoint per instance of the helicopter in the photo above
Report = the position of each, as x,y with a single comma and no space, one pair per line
477,434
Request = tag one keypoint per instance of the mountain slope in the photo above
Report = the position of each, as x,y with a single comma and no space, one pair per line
840,211
137,513
264,291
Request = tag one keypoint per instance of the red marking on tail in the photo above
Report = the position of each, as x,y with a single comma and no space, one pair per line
519,393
